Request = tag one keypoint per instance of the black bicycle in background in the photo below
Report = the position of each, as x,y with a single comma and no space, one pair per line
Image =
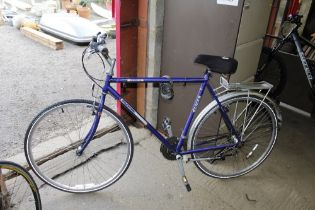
272,69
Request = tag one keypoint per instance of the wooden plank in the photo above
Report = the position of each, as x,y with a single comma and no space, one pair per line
19,4
142,53
128,47
43,38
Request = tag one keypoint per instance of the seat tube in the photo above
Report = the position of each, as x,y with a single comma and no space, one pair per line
222,111
192,112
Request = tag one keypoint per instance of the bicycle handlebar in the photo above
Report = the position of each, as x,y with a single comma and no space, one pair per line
97,44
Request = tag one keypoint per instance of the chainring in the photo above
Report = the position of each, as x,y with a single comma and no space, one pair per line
168,154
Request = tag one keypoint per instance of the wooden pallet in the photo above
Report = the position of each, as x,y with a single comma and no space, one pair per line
43,38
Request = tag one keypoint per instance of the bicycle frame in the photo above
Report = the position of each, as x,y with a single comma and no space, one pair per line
204,84
306,67
294,35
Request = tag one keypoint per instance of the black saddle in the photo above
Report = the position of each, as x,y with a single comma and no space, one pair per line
218,64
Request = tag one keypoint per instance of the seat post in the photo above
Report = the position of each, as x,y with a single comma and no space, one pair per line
208,72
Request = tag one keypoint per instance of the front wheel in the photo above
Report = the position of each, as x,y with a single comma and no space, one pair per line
256,125
54,136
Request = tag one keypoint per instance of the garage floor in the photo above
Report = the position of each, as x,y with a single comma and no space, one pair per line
32,77
285,181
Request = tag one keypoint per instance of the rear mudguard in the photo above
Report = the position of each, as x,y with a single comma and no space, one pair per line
224,97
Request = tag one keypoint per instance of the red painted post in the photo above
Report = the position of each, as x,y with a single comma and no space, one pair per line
113,8
118,54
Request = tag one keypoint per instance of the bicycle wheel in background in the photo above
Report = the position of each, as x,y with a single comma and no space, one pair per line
18,189
255,123
54,136
273,71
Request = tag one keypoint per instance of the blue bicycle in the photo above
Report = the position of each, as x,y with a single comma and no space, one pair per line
83,146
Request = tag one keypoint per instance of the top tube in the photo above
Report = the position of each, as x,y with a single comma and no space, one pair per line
157,79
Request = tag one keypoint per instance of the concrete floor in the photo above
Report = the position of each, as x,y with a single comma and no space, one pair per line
32,77
284,181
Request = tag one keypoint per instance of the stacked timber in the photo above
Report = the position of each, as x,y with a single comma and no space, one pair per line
43,38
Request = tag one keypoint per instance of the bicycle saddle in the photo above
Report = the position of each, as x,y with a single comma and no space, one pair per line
218,64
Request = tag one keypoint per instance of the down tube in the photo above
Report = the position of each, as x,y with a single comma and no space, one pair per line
139,117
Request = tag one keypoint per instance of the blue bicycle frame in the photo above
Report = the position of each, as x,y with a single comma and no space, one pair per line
203,81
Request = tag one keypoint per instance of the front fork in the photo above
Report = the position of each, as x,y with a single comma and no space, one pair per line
88,138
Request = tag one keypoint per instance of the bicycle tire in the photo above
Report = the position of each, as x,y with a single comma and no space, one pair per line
22,191
273,71
54,135
226,163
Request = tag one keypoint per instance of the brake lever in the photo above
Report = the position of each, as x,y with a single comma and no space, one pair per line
101,38
90,50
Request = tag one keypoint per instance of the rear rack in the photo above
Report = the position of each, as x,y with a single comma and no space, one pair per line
245,86
225,86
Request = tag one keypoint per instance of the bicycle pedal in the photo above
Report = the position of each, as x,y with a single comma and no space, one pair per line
187,185
188,188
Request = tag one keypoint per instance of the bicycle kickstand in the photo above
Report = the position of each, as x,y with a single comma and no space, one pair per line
180,161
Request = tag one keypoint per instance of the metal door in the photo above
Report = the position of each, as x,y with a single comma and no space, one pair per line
250,39
192,28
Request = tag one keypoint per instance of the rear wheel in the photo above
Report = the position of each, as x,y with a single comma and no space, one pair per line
54,136
273,71
255,123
